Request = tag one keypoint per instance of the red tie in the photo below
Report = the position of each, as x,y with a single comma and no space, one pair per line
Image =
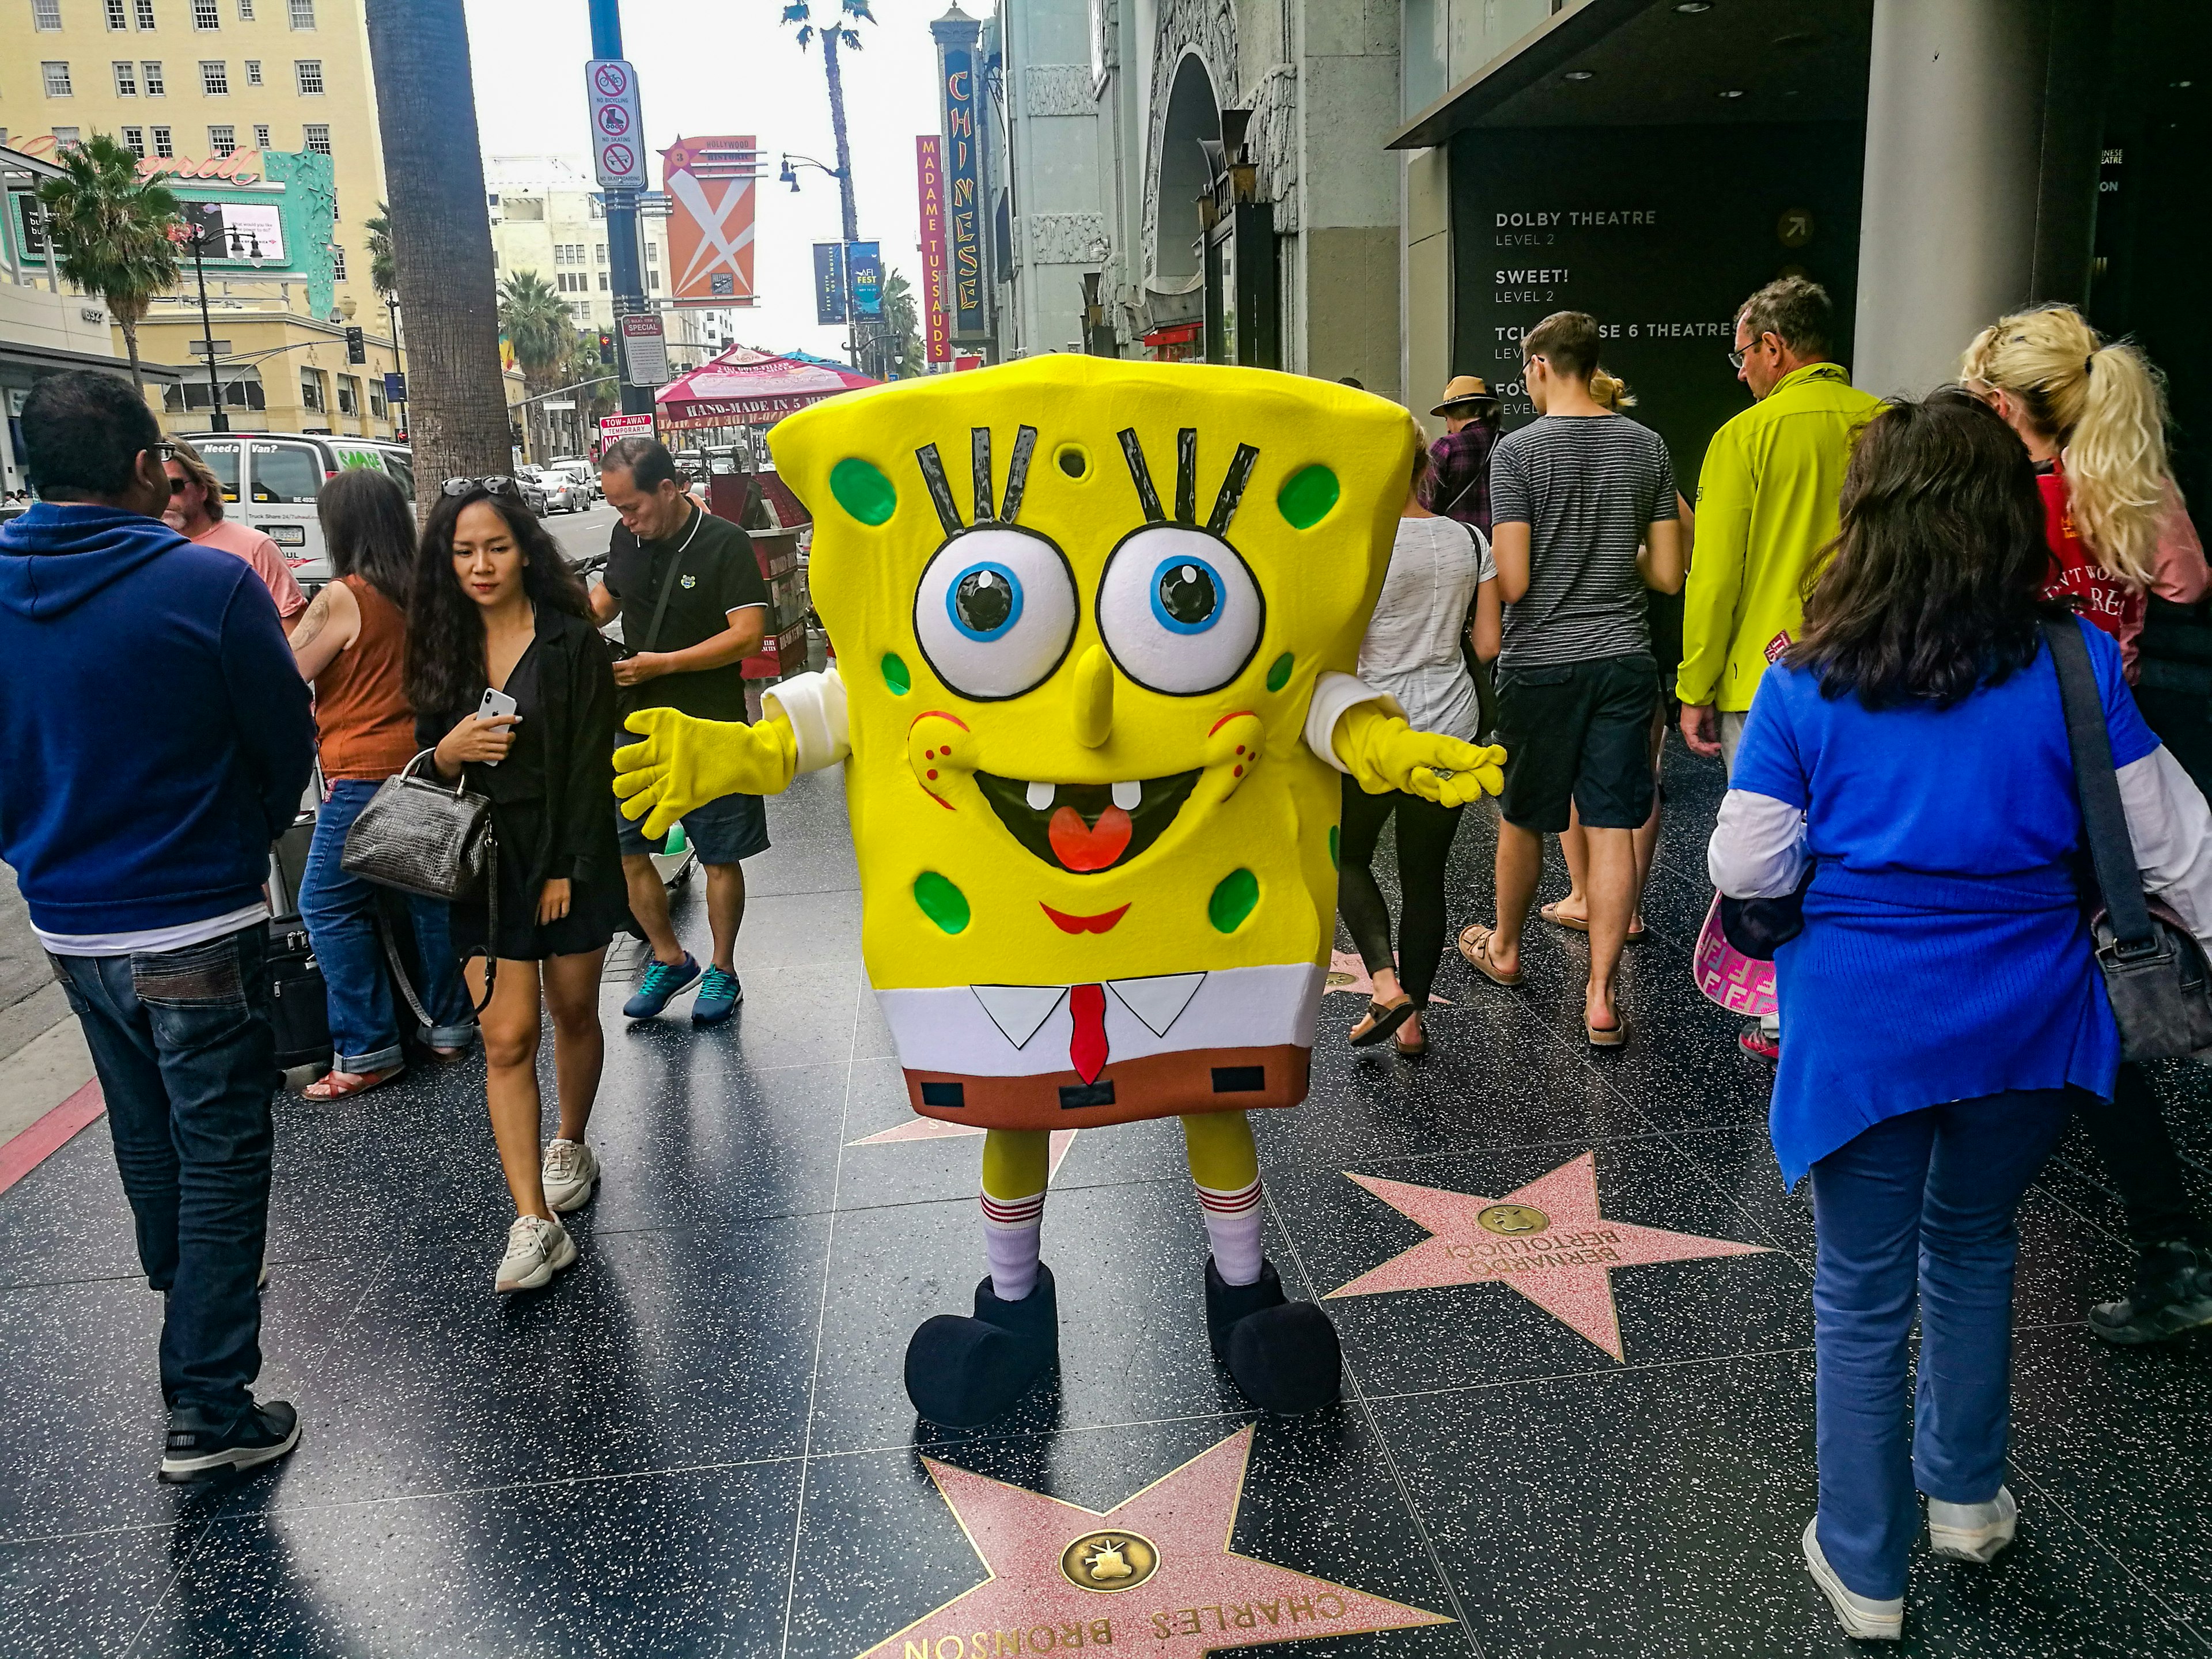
1087,1048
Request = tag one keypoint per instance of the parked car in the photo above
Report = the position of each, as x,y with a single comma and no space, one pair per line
270,479
563,493
533,492
586,475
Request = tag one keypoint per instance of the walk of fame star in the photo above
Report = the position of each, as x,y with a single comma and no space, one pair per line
1547,1240
1155,1570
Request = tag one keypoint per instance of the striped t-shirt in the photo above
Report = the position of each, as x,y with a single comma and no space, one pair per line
1586,486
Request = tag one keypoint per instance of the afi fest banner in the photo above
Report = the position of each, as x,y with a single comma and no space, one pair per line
709,184
929,164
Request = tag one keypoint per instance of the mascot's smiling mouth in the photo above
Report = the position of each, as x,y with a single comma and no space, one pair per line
1086,828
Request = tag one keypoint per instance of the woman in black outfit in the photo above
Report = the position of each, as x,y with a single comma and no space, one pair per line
495,604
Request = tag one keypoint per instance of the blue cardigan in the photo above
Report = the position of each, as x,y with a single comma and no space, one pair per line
1945,955
154,732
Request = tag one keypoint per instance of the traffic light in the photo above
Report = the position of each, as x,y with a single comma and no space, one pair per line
356,346
606,347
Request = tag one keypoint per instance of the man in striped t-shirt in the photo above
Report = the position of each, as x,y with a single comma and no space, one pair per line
1582,520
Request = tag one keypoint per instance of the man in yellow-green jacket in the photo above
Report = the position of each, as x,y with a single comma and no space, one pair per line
1767,505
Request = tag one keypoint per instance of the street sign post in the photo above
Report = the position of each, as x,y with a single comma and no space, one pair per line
644,349
617,127
615,428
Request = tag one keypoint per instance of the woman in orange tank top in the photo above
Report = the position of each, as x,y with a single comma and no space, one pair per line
352,645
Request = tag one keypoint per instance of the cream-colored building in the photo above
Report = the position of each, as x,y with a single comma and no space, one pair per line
200,88
548,216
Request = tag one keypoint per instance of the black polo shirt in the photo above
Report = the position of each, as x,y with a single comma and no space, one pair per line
715,573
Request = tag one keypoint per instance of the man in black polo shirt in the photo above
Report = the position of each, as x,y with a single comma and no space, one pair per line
696,573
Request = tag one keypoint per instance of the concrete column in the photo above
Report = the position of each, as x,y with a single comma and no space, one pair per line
1954,129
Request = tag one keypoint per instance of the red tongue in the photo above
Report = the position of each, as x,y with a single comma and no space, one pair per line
1083,847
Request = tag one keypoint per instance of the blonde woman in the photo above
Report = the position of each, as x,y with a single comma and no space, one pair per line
2094,418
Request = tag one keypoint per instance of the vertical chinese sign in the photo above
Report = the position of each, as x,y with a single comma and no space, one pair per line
929,164
963,186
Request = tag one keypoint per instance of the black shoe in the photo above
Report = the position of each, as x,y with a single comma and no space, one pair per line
963,1372
1282,1354
2172,1293
196,1451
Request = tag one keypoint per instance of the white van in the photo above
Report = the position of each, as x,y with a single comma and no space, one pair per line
270,479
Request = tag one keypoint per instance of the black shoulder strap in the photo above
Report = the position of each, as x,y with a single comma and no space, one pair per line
2097,785
652,641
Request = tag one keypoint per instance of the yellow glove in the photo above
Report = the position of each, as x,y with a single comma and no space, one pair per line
685,763
1382,752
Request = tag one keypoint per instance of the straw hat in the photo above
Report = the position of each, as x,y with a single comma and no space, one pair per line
1464,389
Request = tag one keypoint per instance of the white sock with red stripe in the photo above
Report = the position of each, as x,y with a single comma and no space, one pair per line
1012,1227
1232,1223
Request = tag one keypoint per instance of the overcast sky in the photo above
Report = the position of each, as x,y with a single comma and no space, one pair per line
716,67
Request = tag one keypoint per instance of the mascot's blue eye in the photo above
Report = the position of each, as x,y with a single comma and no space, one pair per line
985,601
1186,595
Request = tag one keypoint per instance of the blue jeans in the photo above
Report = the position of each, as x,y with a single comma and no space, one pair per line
340,912
186,1060
1918,1208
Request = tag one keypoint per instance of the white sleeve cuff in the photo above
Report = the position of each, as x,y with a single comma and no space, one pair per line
1332,694
1758,848
2169,827
815,706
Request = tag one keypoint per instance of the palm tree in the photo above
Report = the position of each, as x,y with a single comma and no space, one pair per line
837,33
538,329
112,231
901,329
441,239
383,275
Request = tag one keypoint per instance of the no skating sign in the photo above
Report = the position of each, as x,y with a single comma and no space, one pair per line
618,128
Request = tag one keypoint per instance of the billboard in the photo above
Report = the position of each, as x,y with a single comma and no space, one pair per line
709,185
864,272
929,168
963,186
829,284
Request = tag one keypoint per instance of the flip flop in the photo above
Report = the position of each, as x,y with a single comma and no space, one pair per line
1573,924
1415,1050
338,1085
1475,944
1606,1037
1388,1017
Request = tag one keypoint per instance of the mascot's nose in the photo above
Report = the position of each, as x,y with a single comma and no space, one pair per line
1093,711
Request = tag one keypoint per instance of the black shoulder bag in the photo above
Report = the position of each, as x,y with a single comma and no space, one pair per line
2156,972
659,608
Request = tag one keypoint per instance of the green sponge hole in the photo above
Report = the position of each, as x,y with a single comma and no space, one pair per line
1307,497
863,491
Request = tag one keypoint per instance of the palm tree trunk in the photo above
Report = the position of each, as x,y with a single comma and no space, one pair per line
130,347
440,240
837,126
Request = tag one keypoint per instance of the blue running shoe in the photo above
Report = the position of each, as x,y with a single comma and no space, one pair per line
661,982
720,993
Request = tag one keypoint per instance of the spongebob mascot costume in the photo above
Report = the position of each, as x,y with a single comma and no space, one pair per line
1096,622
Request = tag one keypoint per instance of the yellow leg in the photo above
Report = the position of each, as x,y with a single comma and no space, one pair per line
1016,1162
1219,1146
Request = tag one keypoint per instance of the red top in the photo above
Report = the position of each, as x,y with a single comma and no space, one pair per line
362,713
2077,577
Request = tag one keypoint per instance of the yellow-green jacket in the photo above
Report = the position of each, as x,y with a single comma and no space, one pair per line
1767,505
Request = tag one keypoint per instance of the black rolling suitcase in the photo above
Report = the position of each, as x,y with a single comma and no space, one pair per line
299,1007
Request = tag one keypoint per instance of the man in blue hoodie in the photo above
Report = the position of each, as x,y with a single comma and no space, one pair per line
154,737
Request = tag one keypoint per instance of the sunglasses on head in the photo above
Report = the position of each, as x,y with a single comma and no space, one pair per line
500,485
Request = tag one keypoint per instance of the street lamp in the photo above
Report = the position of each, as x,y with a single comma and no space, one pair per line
196,233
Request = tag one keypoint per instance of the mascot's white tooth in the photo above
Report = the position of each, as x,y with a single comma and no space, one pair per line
1041,795
1127,795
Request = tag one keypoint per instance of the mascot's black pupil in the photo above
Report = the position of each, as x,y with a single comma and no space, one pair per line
1187,593
984,600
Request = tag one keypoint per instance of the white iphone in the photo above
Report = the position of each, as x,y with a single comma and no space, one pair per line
495,702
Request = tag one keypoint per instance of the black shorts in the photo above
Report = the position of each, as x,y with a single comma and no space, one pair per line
1578,732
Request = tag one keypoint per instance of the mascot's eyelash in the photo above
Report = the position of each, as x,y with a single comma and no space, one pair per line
1224,504
1018,478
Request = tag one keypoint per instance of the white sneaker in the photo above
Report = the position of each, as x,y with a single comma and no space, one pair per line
1972,1532
570,1172
1861,1616
536,1249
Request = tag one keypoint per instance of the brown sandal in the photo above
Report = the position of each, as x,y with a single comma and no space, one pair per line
1383,1019
1606,1036
338,1085
1574,925
1475,944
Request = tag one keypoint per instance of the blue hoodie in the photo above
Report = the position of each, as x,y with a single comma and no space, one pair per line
155,735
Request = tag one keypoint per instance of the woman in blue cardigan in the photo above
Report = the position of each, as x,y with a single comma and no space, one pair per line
1945,1010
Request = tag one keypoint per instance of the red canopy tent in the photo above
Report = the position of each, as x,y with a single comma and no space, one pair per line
745,388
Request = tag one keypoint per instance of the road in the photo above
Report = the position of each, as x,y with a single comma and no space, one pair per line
583,535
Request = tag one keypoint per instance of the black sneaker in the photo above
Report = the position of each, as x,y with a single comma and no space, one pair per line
262,1434
2172,1293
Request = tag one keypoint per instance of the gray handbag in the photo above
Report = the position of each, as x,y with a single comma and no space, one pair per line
425,837
2156,972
